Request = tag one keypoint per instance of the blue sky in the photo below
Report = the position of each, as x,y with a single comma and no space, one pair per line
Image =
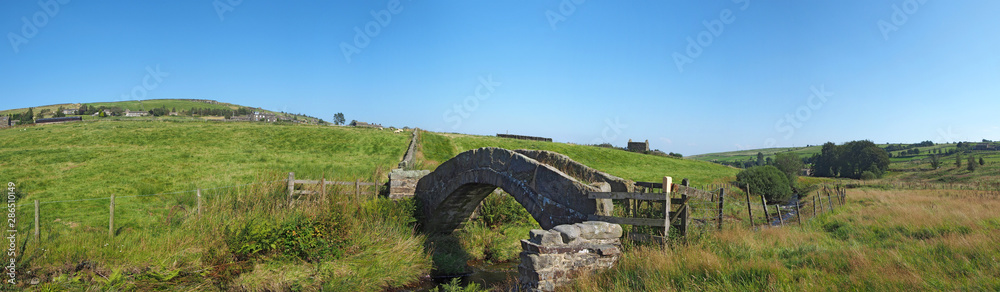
754,73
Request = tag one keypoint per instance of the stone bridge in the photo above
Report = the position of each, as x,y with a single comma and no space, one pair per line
551,186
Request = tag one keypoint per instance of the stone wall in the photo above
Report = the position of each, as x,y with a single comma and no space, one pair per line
554,257
411,152
403,183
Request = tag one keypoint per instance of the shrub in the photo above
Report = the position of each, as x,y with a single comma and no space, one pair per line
502,208
766,180
868,175
309,239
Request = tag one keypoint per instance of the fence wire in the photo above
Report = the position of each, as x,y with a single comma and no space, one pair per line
150,195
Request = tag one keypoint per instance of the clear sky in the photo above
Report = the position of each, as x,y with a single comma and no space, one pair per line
689,76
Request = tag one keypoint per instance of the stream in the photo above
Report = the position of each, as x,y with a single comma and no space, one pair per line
788,212
485,274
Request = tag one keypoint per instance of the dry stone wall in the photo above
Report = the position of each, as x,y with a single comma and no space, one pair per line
551,258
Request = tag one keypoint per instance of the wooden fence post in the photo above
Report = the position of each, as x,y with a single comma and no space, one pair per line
722,199
814,207
749,210
798,212
37,236
781,221
111,217
829,200
767,217
667,182
357,188
322,188
291,186
199,203
684,216
684,208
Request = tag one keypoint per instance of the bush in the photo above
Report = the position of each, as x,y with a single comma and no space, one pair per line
309,239
766,180
500,209
868,175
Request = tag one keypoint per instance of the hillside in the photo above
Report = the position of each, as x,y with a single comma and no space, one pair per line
437,148
146,105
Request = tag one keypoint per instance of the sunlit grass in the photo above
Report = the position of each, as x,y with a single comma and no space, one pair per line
879,241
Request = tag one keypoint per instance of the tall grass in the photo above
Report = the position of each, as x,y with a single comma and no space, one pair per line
251,239
880,241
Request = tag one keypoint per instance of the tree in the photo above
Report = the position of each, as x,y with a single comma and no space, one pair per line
935,162
767,181
338,119
760,159
981,161
59,112
971,165
354,123
958,160
851,160
790,165
28,117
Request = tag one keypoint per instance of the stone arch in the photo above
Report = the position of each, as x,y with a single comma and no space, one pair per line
451,193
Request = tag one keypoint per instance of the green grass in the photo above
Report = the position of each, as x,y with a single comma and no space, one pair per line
180,104
84,163
742,155
438,148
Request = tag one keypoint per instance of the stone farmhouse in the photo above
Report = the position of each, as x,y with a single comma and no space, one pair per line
638,146
129,113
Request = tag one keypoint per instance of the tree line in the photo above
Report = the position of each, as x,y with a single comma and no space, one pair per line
855,159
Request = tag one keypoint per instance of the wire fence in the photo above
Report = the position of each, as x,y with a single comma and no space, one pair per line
184,207
148,195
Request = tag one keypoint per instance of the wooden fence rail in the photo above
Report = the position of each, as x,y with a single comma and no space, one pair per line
672,218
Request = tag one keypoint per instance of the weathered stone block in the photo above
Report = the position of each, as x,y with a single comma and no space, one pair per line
599,230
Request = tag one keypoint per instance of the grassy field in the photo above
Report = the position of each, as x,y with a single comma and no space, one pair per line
752,154
437,148
880,241
152,164
250,238
803,152
72,168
